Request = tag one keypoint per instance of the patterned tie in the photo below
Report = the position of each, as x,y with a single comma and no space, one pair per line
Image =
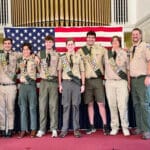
71,61
48,60
25,65
114,55
90,51
7,58
134,47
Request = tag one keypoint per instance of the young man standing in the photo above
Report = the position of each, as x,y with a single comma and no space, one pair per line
8,63
27,91
140,82
92,55
117,92
71,70
48,94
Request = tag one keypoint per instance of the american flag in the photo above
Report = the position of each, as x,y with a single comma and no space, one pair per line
36,35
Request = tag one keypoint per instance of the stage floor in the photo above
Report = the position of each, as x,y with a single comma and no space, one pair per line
95,141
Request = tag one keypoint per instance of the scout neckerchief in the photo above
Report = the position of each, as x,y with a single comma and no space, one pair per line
92,61
115,67
67,68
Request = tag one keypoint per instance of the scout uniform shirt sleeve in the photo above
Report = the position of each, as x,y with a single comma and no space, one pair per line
147,52
81,65
59,67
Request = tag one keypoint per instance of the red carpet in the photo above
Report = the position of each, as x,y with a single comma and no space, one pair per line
96,141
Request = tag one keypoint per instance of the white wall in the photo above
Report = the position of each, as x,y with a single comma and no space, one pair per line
138,14
142,9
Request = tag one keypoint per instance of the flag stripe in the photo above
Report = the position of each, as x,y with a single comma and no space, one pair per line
85,29
83,34
83,39
79,44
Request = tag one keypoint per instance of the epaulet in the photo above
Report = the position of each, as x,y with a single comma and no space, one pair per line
1,51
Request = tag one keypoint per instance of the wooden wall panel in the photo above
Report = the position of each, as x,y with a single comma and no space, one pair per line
61,12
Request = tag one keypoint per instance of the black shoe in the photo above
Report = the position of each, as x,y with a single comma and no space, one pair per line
63,134
136,132
91,130
9,133
77,133
106,130
3,134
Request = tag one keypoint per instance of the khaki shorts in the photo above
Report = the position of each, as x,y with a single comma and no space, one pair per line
94,89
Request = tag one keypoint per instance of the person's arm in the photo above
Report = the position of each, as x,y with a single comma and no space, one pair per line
82,82
60,80
147,55
128,71
147,79
59,68
129,80
82,73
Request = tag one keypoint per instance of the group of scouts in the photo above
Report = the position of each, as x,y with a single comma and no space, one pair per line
73,73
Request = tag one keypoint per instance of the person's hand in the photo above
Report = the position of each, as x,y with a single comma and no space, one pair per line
129,86
37,60
147,81
82,88
60,88
125,49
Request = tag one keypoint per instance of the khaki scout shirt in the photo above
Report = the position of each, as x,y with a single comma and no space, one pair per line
78,65
138,64
122,62
8,71
27,67
45,71
97,53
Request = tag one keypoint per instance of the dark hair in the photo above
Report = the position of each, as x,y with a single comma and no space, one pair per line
7,39
70,39
49,38
91,33
118,39
137,29
28,45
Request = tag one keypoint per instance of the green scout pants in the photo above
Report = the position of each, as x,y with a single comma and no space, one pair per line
28,96
141,101
48,98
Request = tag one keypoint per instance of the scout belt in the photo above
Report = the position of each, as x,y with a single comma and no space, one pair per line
7,84
51,79
30,80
